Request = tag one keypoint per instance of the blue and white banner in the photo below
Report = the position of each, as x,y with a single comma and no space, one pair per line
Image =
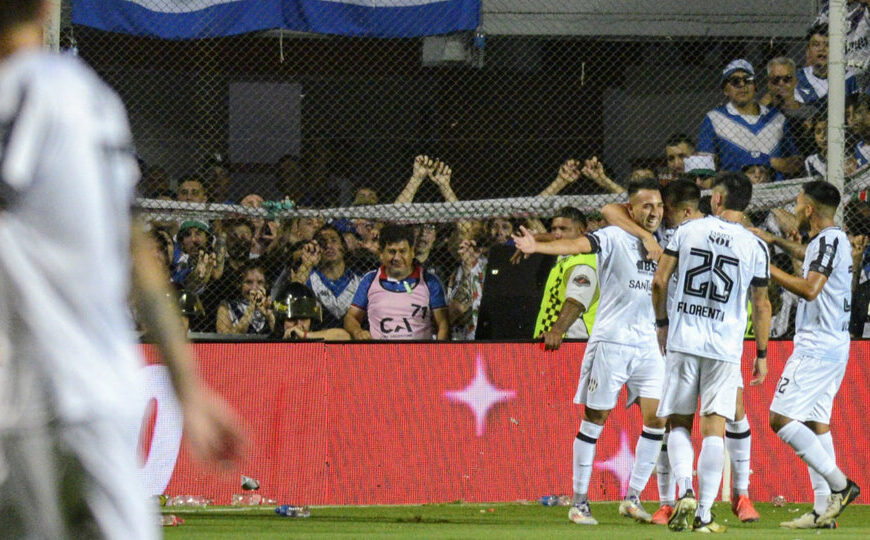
192,19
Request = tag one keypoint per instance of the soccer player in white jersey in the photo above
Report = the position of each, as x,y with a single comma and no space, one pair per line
70,403
718,262
801,409
622,349
681,198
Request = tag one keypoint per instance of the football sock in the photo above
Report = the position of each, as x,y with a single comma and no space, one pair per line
738,442
664,476
809,448
682,456
821,490
646,453
710,462
584,456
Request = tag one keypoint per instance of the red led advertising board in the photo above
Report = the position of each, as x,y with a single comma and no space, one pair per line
374,423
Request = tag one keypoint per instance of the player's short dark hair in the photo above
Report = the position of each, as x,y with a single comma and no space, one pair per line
393,234
818,28
574,214
738,190
18,11
823,193
679,138
643,183
682,191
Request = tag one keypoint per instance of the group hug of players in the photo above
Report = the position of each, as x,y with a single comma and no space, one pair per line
682,350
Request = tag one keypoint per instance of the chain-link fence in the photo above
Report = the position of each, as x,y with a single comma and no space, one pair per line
543,99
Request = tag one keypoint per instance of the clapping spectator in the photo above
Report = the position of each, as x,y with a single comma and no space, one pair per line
194,262
465,288
249,311
325,272
265,232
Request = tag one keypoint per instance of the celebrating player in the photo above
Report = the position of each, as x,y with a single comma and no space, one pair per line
801,409
69,381
622,348
718,262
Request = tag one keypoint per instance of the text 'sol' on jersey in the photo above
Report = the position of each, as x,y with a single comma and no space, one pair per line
67,178
822,325
718,262
625,314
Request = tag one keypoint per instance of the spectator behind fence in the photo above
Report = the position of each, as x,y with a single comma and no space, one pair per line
812,80
325,272
249,309
191,189
465,288
742,132
678,147
265,231
782,95
859,121
215,175
400,300
700,169
298,315
238,235
194,262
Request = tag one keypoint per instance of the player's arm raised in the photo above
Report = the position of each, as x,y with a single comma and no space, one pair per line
209,425
617,214
526,242
666,267
761,313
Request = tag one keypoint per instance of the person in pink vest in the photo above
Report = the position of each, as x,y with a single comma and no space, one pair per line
400,299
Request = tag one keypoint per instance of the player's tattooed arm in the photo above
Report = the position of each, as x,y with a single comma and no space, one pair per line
794,249
617,214
211,428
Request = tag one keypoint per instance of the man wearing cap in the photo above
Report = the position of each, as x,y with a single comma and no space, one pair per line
742,131
700,169
194,263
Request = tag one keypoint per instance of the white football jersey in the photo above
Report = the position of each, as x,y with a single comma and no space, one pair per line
625,313
822,326
67,177
718,261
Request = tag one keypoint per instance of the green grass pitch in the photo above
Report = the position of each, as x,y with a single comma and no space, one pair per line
477,521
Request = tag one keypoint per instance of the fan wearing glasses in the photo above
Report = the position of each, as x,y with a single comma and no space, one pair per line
744,132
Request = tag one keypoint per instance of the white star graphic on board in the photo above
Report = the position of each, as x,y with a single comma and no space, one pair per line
480,395
620,463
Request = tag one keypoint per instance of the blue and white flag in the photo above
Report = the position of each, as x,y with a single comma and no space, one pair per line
192,19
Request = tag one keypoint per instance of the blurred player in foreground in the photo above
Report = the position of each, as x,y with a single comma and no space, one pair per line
69,380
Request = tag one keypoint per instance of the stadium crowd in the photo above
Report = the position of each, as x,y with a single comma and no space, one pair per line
240,269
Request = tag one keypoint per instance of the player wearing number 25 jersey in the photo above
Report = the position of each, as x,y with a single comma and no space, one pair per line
718,263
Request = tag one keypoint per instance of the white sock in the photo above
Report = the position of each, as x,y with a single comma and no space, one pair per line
646,453
738,442
821,490
584,456
809,448
664,476
711,459
682,456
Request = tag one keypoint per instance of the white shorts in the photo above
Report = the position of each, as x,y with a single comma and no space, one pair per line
77,481
609,366
688,377
806,389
